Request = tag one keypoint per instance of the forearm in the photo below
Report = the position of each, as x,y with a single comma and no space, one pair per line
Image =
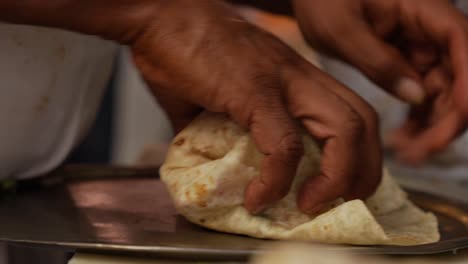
118,20
276,6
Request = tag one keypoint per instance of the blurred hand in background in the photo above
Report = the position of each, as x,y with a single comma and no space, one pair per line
416,50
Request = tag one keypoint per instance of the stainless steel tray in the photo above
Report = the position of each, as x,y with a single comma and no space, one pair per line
96,212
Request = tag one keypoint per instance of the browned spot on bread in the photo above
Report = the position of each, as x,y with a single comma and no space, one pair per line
202,221
201,192
174,186
200,189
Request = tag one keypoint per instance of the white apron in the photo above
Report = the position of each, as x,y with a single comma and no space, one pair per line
51,82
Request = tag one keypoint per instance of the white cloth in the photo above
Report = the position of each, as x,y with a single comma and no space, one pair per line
51,82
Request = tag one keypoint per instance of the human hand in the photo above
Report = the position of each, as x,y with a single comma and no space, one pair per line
201,55
416,50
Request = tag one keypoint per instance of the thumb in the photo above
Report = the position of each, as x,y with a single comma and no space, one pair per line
277,137
179,112
381,62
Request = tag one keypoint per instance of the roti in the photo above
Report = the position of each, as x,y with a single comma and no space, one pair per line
210,163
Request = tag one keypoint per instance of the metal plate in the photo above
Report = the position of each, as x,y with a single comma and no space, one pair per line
134,216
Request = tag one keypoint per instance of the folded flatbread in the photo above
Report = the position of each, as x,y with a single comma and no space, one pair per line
210,163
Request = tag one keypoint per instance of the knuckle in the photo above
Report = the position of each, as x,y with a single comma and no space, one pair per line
291,143
263,77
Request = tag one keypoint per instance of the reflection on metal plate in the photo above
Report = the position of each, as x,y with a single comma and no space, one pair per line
134,216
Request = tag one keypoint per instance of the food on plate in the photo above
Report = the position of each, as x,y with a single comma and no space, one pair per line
210,163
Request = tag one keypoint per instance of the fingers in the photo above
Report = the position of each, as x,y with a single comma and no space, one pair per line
358,38
459,58
379,61
431,127
333,121
436,44
369,176
442,119
400,137
375,11
338,168
446,27
345,124
432,140
278,138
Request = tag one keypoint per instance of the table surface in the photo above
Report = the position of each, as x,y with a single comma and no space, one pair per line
135,215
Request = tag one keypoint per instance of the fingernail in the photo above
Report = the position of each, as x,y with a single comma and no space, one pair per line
258,210
410,91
